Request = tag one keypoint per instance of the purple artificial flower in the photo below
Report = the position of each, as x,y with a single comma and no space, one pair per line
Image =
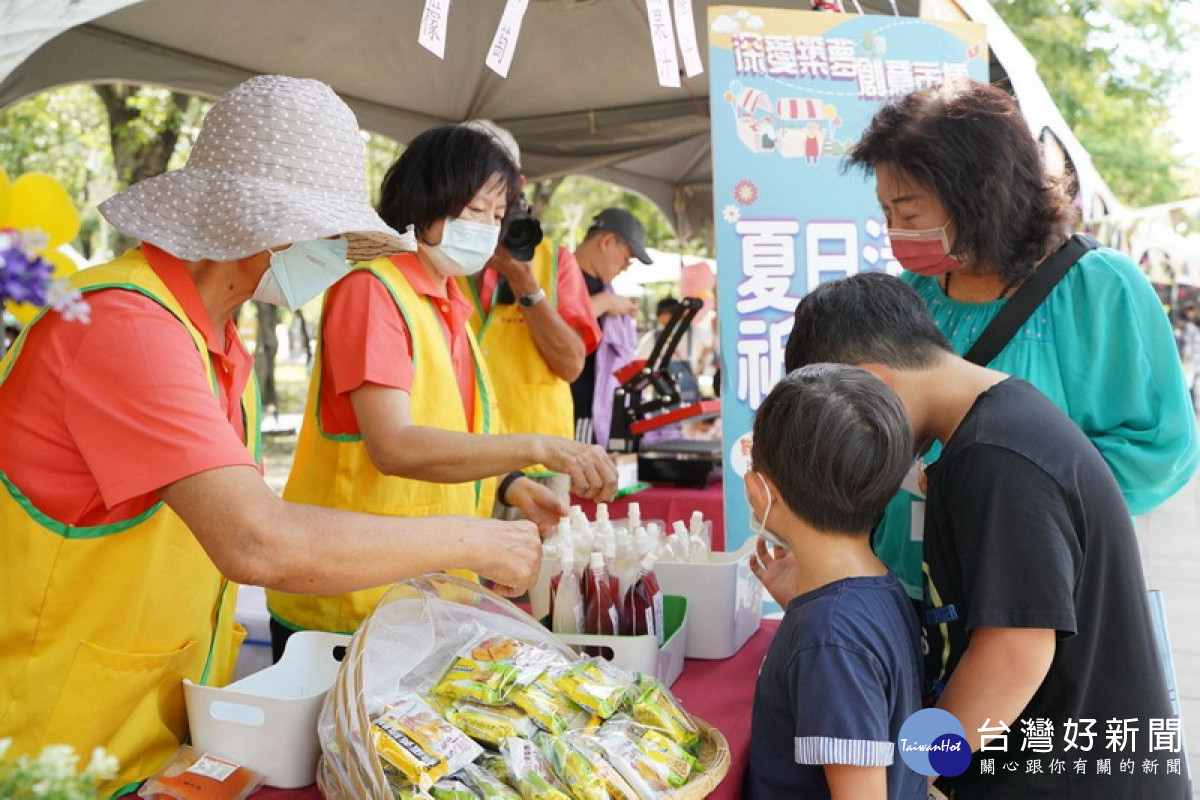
24,275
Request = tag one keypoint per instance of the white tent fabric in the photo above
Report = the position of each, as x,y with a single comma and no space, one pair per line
582,95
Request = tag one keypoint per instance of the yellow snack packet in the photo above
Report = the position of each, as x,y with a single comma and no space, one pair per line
484,682
422,746
573,768
490,725
488,784
658,709
535,777
617,787
594,688
677,763
544,703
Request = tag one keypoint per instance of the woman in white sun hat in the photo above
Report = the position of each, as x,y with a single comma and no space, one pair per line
131,491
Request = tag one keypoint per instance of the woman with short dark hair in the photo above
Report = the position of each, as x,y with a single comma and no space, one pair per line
971,215
400,417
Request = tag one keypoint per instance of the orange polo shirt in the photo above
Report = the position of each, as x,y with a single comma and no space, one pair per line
98,416
366,340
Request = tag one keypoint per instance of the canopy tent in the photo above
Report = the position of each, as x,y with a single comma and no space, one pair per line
582,94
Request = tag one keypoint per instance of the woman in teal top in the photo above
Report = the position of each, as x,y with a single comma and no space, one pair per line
971,214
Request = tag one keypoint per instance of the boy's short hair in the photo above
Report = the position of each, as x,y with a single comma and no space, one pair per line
836,443
869,318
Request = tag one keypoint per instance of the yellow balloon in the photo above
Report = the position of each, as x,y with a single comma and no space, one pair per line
4,195
830,111
63,267
36,200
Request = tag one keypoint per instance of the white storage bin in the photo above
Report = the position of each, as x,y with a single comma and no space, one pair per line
723,594
268,721
642,653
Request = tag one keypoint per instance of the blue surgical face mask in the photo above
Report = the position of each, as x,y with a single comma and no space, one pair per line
465,248
763,530
302,271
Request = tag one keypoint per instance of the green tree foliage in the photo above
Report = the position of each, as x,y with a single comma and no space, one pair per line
1110,65
578,198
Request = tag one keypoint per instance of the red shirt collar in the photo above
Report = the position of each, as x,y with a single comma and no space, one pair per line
174,273
440,288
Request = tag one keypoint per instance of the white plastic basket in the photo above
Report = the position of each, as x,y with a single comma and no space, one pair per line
642,653
268,721
723,593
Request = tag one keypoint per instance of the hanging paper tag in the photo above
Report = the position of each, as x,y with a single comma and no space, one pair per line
685,29
662,36
433,26
504,43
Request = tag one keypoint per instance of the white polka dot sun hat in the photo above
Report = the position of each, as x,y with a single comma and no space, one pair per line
278,160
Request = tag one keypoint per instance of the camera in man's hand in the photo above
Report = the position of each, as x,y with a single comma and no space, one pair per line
523,234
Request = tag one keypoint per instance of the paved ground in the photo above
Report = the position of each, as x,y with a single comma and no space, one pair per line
1170,540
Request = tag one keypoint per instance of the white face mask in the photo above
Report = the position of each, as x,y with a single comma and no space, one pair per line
301,271
763,530
466,247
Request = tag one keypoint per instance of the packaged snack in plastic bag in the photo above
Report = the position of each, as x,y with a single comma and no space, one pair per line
490,725
495,765
573,767
535,777
452,789
482,681
488,670
192,774
405,647
421,745
595,686
657,708
488,784
648,760
545,704
617,787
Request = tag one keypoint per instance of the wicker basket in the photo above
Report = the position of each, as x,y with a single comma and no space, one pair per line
349,768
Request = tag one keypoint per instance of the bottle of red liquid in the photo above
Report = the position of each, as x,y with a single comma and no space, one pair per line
642,611
601,614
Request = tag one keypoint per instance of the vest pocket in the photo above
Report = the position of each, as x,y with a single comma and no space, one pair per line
129,703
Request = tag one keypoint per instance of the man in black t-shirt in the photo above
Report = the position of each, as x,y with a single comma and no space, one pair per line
1038,630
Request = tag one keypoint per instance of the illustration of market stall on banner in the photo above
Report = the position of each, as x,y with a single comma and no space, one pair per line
791,92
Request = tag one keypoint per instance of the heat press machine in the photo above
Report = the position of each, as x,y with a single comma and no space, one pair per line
654,397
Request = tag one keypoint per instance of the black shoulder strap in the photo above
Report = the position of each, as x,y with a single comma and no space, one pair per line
1028,297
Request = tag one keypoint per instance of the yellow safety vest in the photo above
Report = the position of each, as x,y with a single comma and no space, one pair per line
102,624
336,471
531,398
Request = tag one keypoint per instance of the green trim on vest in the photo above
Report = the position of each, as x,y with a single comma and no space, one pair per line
73,531
356,437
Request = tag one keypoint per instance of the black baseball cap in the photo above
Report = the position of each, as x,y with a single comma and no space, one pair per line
625,225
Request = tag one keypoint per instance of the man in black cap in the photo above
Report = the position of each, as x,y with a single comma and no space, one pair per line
614,239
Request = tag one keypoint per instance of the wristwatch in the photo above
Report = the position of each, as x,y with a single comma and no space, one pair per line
531,300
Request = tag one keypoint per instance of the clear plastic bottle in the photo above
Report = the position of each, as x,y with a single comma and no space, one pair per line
642,610
601,610
635,516
566,615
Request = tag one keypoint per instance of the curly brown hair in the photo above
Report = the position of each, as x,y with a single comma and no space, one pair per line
969,143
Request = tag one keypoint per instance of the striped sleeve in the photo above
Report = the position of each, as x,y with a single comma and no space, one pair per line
841,707
816,750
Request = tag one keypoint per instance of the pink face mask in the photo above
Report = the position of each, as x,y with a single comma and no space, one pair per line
924,252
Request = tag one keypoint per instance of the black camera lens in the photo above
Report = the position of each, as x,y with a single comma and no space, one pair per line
523,234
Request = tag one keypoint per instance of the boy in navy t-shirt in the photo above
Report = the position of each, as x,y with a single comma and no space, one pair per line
831,446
